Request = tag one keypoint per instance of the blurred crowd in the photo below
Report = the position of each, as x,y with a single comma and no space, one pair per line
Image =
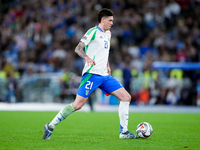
39,36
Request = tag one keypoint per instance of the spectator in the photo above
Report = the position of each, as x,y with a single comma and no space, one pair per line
44,33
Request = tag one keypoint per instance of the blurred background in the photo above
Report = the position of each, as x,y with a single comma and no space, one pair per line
154,53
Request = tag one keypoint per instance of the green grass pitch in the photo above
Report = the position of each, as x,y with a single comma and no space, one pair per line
98,131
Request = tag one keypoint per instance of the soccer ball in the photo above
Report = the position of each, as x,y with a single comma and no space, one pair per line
144,130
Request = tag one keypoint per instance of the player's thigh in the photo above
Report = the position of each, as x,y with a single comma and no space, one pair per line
122,95
79,102
110,85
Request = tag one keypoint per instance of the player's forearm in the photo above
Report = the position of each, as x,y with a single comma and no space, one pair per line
108,68
79,50
108,65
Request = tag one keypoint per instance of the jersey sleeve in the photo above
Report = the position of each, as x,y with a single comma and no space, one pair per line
88,36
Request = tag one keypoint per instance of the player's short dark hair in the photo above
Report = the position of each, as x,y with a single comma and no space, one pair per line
104,13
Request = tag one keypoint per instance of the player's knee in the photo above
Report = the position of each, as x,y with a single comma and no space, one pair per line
127,98
77,106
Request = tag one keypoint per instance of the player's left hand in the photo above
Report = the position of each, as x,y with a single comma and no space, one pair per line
109,70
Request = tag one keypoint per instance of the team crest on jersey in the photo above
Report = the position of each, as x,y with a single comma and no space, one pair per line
84,38
86,92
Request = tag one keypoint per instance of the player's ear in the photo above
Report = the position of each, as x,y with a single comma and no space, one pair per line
102,19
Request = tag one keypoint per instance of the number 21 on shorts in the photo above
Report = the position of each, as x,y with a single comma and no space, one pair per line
88,85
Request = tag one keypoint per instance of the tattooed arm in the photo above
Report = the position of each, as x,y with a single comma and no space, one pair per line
79,50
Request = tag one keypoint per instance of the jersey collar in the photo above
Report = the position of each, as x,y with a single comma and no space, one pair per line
99,28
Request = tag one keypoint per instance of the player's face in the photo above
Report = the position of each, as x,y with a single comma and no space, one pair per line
108,22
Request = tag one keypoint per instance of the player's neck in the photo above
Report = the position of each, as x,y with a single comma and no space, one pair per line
101,27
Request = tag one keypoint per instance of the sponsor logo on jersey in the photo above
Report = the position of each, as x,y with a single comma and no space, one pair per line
101,37
84,38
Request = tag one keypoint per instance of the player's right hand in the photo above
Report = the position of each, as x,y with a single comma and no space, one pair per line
90,61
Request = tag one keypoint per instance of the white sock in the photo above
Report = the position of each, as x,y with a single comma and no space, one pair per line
63,113
123,116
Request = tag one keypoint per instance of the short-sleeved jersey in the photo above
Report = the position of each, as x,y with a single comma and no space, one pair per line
97,46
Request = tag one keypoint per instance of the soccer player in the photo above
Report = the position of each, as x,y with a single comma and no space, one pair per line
96,74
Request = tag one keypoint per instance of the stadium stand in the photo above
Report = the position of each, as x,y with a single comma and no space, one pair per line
38,38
